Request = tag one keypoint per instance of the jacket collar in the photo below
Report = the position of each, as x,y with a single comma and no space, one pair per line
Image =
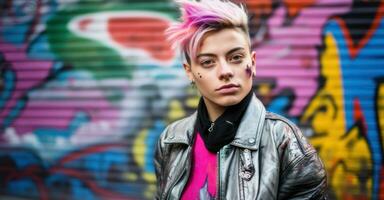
247,136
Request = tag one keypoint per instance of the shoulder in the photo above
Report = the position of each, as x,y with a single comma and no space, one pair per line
279,121
178,129
302,173
287,135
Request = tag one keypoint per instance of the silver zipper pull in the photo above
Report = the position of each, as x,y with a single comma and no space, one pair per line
247,169
210,129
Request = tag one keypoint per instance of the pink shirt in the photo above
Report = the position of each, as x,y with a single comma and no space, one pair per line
203,176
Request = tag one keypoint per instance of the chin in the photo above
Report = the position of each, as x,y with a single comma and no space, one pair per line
229,100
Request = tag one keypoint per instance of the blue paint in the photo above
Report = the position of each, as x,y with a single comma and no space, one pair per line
364,69
9,79
44,134
150,142
24,186
14,113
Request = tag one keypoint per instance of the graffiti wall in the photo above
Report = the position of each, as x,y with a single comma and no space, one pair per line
86,87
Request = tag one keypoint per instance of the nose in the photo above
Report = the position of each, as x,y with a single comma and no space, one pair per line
225,71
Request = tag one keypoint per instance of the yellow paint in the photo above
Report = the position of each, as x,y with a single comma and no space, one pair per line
345,153
380,110
129,176
150,190
176,110
192,99
192,102
264,89
149,177
139,149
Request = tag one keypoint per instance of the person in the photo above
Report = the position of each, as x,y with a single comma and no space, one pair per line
231,147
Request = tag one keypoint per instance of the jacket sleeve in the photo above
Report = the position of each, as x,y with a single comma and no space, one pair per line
158,162
303,175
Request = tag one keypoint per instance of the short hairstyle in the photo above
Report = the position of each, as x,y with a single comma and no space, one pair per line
199,18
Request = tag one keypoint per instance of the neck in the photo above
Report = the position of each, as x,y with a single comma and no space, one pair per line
214,110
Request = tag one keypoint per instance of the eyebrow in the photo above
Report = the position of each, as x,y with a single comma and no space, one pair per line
234,50
213,55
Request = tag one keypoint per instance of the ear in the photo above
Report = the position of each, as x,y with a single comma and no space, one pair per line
253,58
188,71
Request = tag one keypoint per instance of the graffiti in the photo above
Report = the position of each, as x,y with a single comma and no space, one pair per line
86,88
344,108
287,57
64,115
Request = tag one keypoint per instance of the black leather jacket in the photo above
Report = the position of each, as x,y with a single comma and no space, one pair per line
268,159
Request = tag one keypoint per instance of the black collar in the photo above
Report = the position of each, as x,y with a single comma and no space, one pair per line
223,130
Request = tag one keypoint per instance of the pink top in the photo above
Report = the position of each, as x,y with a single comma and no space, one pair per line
203,176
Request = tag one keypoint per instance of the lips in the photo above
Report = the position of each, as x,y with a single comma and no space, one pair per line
228,88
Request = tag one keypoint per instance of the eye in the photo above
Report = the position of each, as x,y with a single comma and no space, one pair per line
207,63
236,58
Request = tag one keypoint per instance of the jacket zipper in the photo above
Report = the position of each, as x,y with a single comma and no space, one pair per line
210,129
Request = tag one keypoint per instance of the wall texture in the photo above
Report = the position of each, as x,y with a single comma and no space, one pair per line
86,87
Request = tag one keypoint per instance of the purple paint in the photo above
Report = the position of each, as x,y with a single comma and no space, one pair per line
36,71
293,61
248,70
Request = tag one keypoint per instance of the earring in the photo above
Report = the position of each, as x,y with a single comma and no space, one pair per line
193,84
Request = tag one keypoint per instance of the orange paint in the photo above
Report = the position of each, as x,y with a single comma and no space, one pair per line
261,7
145,33
355,48
295,6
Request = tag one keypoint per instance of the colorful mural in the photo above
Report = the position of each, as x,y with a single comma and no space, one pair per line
344,113
86,87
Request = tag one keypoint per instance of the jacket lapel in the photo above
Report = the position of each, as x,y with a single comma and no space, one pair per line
182,132
249,132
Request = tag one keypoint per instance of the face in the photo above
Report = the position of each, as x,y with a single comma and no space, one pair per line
223,68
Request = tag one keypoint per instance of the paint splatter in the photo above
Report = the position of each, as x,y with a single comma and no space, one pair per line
248,70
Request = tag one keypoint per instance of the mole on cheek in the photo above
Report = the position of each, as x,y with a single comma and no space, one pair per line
199,75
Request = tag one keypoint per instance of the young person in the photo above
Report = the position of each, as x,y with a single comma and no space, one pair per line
231,148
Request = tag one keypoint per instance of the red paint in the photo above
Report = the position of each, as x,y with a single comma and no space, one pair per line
34,173
295,6
144,33
37,173
355,48
259,8
84,23
359,116
86,179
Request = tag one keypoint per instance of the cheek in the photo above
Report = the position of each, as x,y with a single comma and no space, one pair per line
204,88
205,83
248,71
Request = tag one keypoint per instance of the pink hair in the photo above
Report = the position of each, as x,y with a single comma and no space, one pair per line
199,18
